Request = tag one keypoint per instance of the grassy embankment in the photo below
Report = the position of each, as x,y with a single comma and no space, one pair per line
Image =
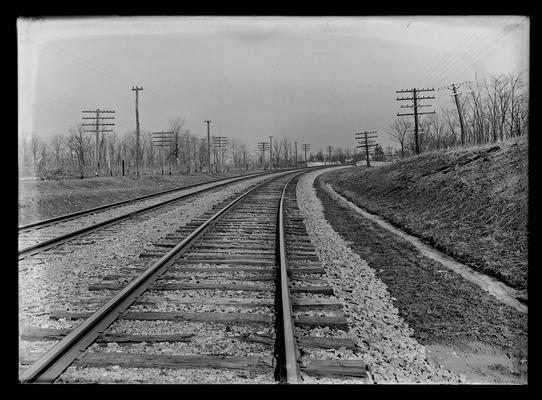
45,199
470,203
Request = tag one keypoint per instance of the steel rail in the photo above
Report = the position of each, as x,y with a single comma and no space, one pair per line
38,247
289,342
51,365
48,221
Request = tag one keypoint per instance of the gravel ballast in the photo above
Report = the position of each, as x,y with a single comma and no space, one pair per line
391,353
61,279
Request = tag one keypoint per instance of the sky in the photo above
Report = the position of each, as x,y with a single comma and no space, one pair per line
315,80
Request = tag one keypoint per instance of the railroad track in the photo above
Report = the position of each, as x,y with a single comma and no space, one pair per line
42,235
239,290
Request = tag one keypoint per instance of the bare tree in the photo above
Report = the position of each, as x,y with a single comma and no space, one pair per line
451,122
245,154
36,150
236,151
57,143
399,132
77,143
284,151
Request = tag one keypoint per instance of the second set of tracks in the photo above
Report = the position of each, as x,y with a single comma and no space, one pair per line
40,236
244,276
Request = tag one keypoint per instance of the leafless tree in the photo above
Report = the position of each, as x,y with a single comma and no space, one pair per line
57,143
78,145
285,148
245,154
236,149
399,131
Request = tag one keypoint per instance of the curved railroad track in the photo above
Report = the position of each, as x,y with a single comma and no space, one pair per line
243,278
42,235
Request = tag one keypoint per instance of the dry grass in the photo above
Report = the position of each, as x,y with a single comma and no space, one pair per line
45,199
471,203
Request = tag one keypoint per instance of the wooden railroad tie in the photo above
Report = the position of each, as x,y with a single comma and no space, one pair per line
131,360
186,286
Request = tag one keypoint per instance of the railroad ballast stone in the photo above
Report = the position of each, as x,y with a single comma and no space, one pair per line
391,353
60,279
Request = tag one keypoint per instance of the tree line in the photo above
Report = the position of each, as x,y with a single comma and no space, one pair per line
76,154
493,110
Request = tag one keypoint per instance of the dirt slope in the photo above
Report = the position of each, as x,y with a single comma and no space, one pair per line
470,203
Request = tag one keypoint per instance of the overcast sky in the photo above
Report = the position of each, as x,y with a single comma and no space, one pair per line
316,80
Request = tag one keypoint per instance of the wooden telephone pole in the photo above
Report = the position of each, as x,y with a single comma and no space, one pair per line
262,146
364,141
415,105
270,152
454,87
98,124
305,147
208,121
137,89
162,140
220,142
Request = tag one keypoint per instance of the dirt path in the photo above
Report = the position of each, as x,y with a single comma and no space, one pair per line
464,328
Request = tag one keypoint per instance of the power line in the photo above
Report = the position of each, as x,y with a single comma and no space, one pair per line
486,49
477,52
80,61
435,70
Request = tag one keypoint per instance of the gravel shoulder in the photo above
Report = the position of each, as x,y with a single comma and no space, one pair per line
390,350
462,327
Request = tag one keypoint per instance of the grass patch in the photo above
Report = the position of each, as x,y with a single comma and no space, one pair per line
469,203
46,199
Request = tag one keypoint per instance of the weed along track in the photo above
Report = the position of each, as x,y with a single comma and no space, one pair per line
237,295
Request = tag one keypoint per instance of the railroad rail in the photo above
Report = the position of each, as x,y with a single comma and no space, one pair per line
74,230
257,239
65,217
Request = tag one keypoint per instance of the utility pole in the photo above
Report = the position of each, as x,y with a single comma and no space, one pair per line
415,98
270,152
137,89
209,143
262,146
363,140
454,87
164,139
97,125
220,142
305,147
295,154
329,153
